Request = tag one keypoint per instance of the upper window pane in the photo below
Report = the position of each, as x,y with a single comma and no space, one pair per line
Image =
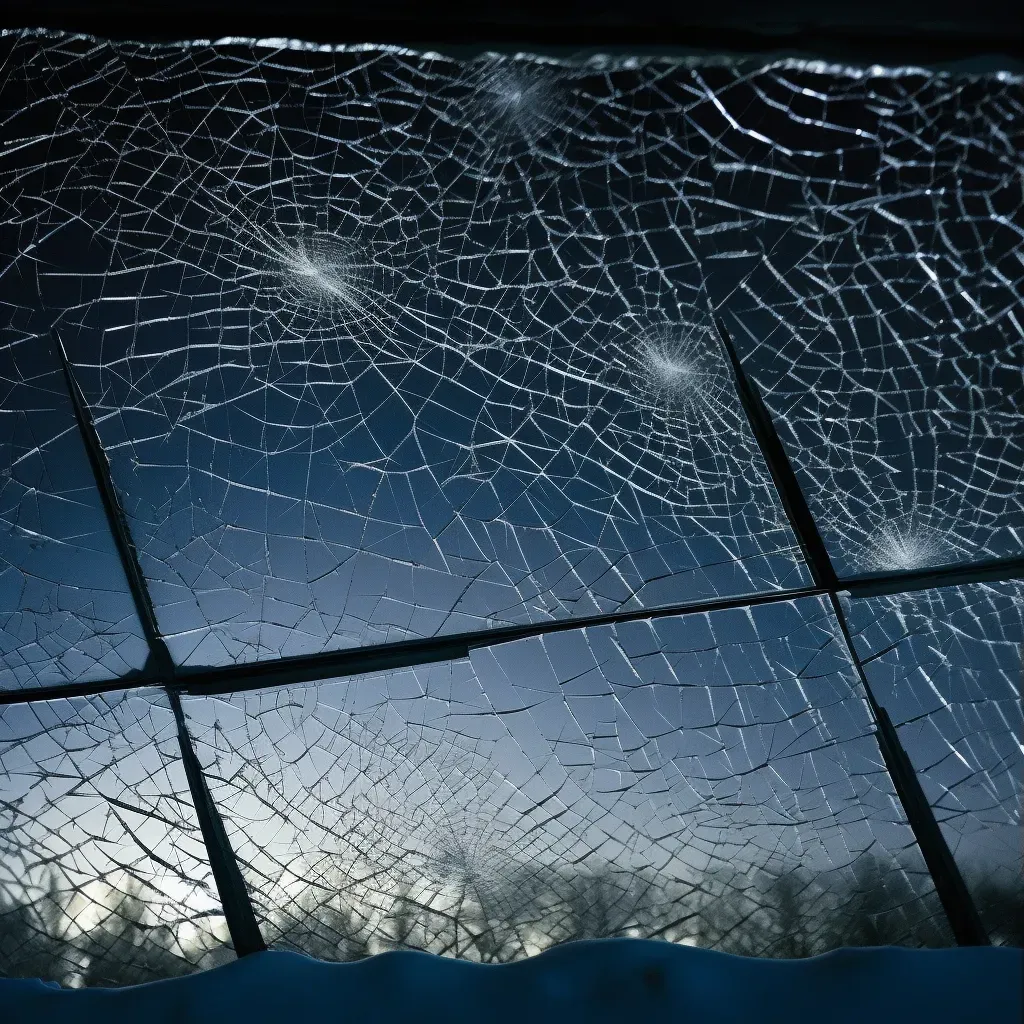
872,276
947,665
386,346
711,779
66,614
103,873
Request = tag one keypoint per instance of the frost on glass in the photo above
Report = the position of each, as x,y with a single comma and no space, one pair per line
864,246
103,874
947,665
383,345
65,611
709,779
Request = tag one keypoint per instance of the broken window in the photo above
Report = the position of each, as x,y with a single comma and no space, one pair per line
398,397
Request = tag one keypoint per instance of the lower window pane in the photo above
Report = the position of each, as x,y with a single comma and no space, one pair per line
708,779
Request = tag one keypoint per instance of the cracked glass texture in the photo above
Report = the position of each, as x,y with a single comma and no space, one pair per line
711,779
948,666
66,614
384,346
864,247
104,878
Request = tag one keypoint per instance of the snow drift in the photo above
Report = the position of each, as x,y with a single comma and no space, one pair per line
596,982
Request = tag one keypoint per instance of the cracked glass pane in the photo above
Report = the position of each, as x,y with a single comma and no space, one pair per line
103,873
66,614
864,248
711,779
947,665
384,345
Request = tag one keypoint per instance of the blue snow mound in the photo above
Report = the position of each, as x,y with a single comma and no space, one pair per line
606,981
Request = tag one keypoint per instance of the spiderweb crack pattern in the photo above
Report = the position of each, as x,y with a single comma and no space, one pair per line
873,275
371,364
648,778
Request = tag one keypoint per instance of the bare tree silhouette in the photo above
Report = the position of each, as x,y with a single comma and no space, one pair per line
42,937
606,902
34,939
400,923
127,947
791,924
1000,901
883,909
779,913
322,921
